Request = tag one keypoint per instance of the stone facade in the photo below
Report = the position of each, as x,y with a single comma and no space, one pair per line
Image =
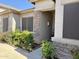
63,51
36,26
42,30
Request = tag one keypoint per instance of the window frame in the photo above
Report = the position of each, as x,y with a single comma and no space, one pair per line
26,24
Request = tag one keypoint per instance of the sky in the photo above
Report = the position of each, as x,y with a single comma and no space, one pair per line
18,4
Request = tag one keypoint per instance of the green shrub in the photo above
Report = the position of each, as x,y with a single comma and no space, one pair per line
2,36
27,40
76,56
21,39
75,53
48,49
16,38
8,38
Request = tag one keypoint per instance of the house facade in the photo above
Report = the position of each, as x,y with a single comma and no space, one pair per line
39,20
43,24
49,19
7,20
66,30
12,19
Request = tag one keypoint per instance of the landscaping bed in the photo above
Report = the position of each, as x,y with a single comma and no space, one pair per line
22,39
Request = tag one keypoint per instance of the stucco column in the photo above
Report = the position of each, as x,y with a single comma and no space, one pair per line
59,19
1,24
13,23
10,23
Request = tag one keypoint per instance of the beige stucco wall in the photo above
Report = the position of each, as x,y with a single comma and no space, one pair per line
16,17
30,14
44,5
10,22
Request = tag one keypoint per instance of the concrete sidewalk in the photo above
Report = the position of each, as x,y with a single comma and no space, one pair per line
9,52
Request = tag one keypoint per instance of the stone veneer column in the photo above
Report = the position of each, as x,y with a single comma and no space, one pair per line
36,26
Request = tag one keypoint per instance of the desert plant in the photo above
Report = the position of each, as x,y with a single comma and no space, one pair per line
48,49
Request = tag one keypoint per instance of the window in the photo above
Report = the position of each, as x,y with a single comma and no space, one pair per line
5,24
71,21
27,23
24,24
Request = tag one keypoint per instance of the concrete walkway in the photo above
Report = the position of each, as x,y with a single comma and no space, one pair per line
9,52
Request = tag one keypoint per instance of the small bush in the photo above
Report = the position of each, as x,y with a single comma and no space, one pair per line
27,41
21,39
16,38
8,38
76,56
48,49
2,36
75,53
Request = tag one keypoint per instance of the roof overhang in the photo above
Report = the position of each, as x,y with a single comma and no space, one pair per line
2,9
27,11
45,6
33,0
5,9
8,7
